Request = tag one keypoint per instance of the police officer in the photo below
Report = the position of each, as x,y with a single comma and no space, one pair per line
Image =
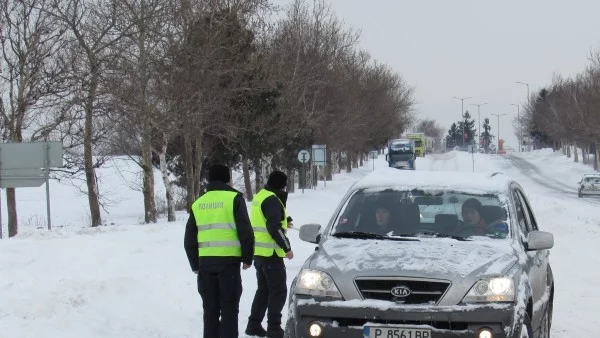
218,237
269,220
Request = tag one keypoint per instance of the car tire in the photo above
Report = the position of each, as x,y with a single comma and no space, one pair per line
526,331
579,194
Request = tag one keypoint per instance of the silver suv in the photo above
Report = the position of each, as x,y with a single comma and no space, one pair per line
426,255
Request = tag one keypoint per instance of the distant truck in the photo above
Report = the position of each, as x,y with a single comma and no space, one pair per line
401,154
420,143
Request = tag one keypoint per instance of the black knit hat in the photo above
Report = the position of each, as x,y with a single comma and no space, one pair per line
472,203
219,172
277,180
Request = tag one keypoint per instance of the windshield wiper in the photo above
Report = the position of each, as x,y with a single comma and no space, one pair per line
369,235
434,234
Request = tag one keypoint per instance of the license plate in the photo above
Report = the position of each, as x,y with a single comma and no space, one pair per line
395,332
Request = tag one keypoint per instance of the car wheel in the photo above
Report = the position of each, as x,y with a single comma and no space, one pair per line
579,194
526,331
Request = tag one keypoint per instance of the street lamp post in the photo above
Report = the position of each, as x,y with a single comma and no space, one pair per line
478,120
498,115
519,124
462,100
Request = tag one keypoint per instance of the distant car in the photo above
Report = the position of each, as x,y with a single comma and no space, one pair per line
428,274
589,185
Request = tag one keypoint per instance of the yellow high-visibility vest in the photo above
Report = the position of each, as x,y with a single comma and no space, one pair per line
217,233
264,244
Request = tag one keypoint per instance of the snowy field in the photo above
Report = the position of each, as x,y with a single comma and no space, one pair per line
127,279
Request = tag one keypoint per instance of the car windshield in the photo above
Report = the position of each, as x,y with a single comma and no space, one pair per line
418,213
592,179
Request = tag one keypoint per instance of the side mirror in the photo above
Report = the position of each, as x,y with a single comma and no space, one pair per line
539,240
310,233
386,157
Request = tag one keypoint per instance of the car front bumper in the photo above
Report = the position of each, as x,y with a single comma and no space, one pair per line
348,319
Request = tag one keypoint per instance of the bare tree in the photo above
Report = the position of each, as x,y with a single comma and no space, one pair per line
31,77
94,31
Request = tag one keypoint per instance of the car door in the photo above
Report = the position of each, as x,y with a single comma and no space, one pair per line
537,260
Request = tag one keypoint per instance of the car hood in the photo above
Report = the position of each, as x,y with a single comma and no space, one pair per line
442,258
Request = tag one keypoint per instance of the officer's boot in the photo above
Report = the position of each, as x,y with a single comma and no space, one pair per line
274,331
255,329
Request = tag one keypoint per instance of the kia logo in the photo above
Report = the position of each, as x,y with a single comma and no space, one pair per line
400,291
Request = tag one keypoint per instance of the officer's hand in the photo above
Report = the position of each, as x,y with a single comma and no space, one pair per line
290,224
246,266
289,254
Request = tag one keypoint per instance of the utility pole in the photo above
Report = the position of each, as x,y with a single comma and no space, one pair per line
519,124
498,115
479,121
462,115
528,98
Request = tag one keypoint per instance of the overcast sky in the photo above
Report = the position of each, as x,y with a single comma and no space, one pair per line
477,48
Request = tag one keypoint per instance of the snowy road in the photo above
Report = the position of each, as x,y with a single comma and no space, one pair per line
133,280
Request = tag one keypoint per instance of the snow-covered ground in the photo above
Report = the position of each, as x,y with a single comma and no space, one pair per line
128,279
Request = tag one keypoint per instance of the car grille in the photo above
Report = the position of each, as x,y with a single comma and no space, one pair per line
422,291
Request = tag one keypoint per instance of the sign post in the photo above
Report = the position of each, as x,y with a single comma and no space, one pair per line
472,148
373,156
303,157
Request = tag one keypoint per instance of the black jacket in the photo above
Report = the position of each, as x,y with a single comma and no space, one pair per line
244,231
273,211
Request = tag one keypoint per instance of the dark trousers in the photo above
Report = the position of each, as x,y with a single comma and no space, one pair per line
221,288
271,292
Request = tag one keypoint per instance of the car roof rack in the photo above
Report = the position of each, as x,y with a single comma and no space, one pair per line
496,173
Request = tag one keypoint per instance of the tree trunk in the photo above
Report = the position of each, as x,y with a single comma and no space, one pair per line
168,185
349,160
355,159
584,155
189,170
90,173
328,174
198,166
568,150
576,157
148,172
291,180
360,164
597,157
11,203
258,175
247,181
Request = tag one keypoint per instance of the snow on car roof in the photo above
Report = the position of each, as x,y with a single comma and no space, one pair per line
433,180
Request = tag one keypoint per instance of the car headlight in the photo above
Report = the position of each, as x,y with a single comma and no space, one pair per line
316,283
501,289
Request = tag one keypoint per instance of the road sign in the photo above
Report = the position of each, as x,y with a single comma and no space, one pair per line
373,154
319,152
303,156
27,164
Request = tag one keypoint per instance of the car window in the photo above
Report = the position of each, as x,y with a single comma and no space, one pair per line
520,212
530,219
529,210
402,212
